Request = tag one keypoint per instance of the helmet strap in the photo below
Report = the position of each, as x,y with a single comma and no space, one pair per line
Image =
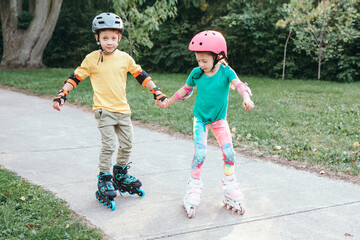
218,57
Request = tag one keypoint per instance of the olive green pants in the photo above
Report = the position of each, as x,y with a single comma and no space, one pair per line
112,126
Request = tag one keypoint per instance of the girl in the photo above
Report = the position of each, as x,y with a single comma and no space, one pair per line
213,81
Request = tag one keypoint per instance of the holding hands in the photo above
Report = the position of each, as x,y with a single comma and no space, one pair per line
163,104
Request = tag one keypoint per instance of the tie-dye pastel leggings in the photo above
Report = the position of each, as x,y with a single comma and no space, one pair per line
221,131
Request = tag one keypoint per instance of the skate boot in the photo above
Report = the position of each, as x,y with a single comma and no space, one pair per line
232,194
106,191
192,197
124,182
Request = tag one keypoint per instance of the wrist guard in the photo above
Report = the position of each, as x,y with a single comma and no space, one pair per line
59,97
160,96
246,89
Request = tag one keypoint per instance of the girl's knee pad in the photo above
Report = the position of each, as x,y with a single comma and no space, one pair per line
228,153
200,153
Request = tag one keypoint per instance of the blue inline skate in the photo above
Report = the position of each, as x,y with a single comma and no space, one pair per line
106,191
124,182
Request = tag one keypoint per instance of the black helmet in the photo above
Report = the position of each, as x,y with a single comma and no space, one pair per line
107,21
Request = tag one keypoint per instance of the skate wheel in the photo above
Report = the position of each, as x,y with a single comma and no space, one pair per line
242,209
113,205
191,212
141,193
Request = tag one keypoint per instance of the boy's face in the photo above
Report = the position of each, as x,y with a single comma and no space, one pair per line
205,61
109,39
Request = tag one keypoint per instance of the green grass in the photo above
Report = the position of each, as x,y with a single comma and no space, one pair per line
316,122
30,212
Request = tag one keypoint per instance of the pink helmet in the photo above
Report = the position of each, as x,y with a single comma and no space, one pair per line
208,41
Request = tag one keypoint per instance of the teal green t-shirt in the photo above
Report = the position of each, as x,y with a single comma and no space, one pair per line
212,93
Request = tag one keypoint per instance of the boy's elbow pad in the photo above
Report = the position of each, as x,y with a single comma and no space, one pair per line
74,80
142,77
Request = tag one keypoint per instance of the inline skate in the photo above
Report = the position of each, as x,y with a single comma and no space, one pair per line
232,194
192,197
106,191
124,182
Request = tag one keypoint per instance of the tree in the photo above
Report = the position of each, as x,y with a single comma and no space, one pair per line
141,19
322,30
27,26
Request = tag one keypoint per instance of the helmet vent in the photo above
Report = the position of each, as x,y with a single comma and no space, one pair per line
101,22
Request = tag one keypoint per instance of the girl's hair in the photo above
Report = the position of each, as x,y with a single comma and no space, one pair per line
221,59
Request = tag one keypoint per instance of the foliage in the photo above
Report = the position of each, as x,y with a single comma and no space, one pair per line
141,19
253,42
25,19
30,212
170,52
73,38
316,122
322,30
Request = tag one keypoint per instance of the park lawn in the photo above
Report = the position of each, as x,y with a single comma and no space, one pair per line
315,122
29,212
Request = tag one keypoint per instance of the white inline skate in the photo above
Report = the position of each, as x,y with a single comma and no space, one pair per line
192,197
232,194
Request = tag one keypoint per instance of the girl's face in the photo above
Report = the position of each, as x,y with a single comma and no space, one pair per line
109,40
205,61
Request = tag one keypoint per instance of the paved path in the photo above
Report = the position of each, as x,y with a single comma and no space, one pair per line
59,151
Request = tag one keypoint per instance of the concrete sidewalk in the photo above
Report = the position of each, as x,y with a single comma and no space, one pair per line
59,151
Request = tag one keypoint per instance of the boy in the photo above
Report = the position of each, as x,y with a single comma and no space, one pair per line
107,69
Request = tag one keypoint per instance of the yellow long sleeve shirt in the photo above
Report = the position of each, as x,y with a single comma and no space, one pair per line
108,79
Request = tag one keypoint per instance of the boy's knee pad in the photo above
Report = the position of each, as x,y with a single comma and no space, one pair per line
228,153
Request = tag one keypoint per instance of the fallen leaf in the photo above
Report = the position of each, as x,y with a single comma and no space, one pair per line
6,194
248,135
356,144
23,198
277,148
322,172
162,118
67,226
348,235
315,150
239,138
58,213
233,129
29,225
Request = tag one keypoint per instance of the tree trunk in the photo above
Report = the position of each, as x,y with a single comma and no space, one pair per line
320,45
285,47
24,48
